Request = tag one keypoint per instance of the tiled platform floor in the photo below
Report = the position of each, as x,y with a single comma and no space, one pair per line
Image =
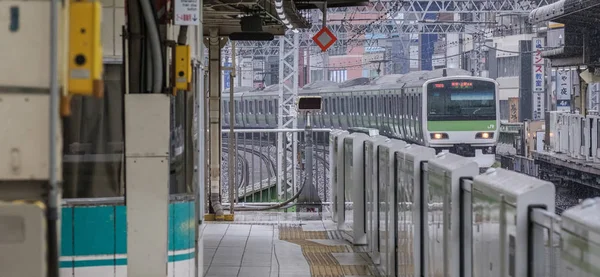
250,247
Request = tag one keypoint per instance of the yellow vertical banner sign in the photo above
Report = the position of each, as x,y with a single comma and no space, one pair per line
513,109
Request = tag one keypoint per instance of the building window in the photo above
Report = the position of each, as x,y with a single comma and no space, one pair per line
338,76
339,48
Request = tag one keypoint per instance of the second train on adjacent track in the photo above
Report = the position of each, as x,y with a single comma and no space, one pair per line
445,109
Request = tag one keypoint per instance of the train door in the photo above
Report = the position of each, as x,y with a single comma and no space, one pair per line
377,111
388,116
404,112
420,117
251,114
400,113
325,113
343,112
260,115
354,112
365,106
395,113
268,112
276,112
348,110
409,115
246,112
335,121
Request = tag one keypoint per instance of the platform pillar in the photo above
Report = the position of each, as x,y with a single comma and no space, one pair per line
215,43
147,119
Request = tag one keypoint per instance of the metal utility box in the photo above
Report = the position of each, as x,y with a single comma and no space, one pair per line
372,193
501,204
444,174
337,175
353,187
25,142
412,212
23,239
580,233
387,200
26,33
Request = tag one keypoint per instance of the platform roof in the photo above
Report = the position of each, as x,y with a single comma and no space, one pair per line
225,14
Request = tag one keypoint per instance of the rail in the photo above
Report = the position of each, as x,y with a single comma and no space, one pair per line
270,163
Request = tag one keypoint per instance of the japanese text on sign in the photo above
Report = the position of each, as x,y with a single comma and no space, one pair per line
186,12
563,89
513,107
538,67
538,106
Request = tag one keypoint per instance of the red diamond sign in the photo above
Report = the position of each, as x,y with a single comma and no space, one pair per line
324,39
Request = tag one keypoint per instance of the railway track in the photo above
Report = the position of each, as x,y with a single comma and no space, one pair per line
245,164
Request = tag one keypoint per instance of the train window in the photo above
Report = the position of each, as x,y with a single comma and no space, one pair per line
372,104
246,106
334,107
409,104
342,107
325,102
365,111
251,106
270,107
260,107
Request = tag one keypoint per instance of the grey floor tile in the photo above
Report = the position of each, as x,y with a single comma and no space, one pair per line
254,271
208,255
256,259
259,248
223,271
233,241
350,258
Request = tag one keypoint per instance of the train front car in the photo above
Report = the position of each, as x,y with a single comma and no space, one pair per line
462,117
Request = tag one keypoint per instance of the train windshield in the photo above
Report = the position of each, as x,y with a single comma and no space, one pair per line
461,100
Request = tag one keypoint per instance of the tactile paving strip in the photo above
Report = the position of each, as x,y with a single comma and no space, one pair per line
319,257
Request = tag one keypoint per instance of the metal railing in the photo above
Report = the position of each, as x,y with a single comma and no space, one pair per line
520,164
263,175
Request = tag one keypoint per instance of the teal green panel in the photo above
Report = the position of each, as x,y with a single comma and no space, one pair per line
171,222
121,229
182,223
94,232
192,231
66,232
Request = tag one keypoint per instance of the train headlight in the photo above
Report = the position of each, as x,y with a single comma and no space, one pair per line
438,136
484,135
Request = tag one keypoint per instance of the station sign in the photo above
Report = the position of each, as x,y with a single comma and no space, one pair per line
538,67
563,89
187,12
324,39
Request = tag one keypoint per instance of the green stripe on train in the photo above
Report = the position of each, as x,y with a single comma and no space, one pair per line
460,125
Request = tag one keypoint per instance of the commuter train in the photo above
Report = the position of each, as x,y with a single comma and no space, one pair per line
445,109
